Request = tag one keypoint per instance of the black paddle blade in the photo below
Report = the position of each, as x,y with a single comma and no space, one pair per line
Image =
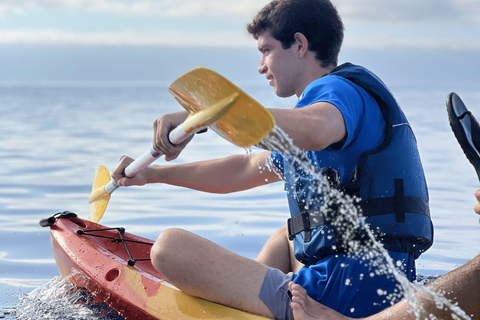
466,129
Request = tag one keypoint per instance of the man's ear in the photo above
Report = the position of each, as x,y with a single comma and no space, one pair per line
301,44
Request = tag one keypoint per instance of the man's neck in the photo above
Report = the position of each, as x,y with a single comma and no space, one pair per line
312,74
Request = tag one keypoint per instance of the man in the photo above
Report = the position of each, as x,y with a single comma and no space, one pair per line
459,286
346,119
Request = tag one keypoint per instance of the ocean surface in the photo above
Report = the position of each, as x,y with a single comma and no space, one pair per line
54,135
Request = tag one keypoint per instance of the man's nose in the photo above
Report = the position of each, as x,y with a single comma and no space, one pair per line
262,68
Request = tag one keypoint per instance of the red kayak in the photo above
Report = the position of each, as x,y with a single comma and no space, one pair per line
115,267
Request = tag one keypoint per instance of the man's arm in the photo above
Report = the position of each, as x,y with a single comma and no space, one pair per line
230,174
314,127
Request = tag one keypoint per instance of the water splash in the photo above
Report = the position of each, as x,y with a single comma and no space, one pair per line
59,299
348,221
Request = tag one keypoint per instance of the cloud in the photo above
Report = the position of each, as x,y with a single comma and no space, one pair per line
407,42
369,23
173,8
238,40
6,9
128,38
409,11
365,11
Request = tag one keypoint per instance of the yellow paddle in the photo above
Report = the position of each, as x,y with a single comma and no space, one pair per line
213,101
247,122
103,186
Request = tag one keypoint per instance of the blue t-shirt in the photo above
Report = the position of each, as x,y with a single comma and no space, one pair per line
364,124
344,282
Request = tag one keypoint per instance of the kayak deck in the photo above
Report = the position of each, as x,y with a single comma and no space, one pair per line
115,267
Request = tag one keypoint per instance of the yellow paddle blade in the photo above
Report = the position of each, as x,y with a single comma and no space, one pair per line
246,123
99,198
210,115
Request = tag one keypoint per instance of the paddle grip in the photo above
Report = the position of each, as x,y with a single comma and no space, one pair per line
141,163
176,136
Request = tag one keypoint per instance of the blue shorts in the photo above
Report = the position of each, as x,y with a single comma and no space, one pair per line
356,285
274,294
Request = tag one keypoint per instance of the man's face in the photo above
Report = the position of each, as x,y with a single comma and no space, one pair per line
280,66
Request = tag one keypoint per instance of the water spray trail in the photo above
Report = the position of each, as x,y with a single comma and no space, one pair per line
349,220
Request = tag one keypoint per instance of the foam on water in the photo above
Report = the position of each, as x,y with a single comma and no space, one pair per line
59,299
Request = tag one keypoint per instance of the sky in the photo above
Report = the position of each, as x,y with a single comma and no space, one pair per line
94,39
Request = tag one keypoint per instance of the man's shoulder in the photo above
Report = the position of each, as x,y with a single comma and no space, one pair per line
331,79
331,83
332,87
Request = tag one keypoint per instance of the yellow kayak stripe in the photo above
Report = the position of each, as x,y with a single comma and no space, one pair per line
170,303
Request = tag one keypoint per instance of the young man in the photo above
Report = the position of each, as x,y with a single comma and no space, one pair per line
352,129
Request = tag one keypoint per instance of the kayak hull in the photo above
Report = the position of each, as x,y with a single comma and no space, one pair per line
122,279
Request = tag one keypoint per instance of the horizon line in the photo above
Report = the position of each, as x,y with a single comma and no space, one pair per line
227,40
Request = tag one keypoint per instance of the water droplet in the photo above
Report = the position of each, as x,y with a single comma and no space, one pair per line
346,220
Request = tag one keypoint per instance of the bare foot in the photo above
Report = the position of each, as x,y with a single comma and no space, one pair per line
305,308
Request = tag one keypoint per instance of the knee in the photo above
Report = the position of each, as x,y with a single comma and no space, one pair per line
166,251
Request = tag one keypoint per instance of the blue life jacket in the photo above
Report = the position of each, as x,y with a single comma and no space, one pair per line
389,180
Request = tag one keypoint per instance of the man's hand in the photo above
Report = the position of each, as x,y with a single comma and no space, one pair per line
118,174
162,128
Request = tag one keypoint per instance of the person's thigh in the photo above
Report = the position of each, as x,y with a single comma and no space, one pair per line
204,269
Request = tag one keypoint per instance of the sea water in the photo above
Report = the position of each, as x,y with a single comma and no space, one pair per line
53,136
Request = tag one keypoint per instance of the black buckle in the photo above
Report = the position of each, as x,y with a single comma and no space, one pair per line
298,224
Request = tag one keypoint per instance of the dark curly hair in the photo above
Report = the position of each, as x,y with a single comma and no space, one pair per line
317,20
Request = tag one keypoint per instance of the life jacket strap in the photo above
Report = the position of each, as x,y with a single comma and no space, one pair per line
393,205
398,205
304,222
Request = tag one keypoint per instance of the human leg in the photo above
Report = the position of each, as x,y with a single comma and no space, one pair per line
461,286
278,253
204,269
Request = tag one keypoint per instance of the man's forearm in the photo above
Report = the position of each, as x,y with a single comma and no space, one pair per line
235,173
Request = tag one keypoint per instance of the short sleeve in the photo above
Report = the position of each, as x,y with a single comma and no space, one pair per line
341,93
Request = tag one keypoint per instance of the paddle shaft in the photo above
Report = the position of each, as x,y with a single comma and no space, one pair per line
176,136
